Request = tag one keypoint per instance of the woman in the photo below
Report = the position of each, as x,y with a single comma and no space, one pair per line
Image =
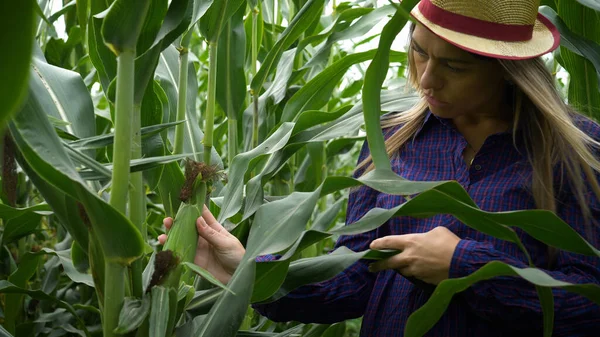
491,119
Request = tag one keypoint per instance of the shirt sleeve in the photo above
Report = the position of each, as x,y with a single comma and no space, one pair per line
514,301
344,296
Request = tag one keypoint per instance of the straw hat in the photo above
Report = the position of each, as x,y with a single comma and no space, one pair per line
507,29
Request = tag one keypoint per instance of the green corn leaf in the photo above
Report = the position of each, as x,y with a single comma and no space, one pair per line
233,191
204,300
164,305
321,268
80,258
101,56
28,265
574,42
593,4
17,27
368,18
317,92
309,12
7,287
231,77
216,17
374,80
98,142
136,165
19,222
62,206
226,315
43,151
584,92
133,314
547,302
66,262
123,23
425,317
207,276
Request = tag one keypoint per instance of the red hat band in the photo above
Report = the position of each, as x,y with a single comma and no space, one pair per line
473,26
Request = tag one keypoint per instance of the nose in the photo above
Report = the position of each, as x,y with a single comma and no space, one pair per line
430,79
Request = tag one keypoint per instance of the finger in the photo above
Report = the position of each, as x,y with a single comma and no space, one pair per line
162,239
214,237
399,242
210,220
397,261
168,222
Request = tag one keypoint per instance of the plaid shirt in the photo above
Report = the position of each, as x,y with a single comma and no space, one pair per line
498,180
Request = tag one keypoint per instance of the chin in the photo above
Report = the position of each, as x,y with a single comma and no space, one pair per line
442,112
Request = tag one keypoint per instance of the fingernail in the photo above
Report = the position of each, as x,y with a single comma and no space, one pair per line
202,222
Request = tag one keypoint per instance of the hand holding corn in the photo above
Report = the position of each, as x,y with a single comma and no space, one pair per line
218,251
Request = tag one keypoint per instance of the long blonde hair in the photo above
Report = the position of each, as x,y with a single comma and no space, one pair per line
552,139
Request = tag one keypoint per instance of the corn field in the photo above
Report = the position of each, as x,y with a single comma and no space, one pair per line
146,109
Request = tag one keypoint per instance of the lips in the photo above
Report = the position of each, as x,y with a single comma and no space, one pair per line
435,102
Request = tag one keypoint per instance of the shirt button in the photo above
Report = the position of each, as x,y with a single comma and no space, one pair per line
477,167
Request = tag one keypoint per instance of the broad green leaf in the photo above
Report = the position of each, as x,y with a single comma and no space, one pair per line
427,315
309,12
83,8
367,20
206,275
80,258
136,166
204,300
231,77
216,17
584,92
43,151
101,56
123,23
279,223
324,221
200,8
8,288
233,191
574,42
317,92
155,110
320,268
162,311
66,262
17,27
20,222
28,265
63,96
98,142
62,205
177,21
227,313
4,333
593,4
153,21
374,79
133,314
547,303
312,118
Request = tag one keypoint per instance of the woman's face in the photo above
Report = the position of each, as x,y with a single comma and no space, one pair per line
456,83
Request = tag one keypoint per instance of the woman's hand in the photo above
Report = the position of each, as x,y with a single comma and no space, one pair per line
218,251
426,256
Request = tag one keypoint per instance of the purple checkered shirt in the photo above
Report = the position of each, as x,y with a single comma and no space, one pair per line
498,180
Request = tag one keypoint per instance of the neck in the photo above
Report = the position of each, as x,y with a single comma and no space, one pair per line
476,128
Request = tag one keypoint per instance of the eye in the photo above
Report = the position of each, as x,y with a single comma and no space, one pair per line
454,69
419,51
